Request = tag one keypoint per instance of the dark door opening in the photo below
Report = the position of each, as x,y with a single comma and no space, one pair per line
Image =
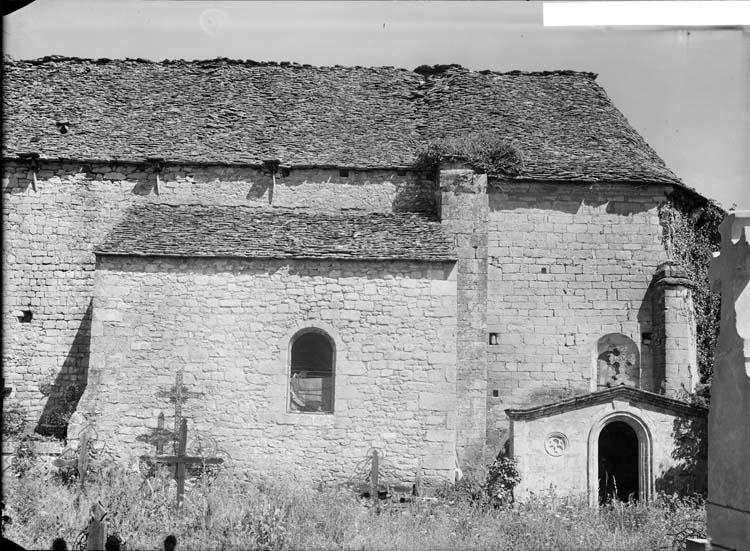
618,463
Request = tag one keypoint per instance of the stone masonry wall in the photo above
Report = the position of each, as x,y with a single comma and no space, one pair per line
568,473
463,212
49,235
676,364
229,323
567,264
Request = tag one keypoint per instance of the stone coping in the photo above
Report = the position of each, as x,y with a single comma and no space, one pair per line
601,396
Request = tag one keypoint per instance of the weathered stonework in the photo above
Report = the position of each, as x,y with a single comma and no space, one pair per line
567,265
675,360
575,469
50,233
550,293
228,325
549,268
463,213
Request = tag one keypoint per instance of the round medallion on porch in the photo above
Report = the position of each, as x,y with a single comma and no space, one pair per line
555,444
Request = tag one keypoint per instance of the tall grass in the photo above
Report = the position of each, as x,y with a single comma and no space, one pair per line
225,513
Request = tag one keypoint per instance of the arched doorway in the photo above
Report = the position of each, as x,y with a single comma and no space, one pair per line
622,448
618,462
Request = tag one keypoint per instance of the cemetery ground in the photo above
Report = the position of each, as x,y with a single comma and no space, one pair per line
222,511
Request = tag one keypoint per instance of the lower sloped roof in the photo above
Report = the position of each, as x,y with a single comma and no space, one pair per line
621,392
158,229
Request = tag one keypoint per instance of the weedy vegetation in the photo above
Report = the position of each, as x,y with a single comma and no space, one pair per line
222,512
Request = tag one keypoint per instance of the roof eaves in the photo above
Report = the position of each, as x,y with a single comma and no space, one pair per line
598,397
367,258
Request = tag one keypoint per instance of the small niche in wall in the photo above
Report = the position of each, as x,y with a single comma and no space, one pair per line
25,316
544,270
646,339
495,393
344,173
493,338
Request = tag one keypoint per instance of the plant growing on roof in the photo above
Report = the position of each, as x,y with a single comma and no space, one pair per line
485,152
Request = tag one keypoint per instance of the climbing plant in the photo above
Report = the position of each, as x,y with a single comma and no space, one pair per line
691,235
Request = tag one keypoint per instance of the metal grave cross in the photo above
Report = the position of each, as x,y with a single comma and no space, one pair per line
181,461
178,394
85,456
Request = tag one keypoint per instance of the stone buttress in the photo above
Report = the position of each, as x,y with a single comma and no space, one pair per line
463,211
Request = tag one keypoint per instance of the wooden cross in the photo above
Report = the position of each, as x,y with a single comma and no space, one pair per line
178,394
181,460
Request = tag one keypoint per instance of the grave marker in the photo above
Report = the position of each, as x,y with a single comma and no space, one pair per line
178,394
83,457
181,460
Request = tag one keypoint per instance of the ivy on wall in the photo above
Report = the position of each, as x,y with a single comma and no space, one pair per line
691,235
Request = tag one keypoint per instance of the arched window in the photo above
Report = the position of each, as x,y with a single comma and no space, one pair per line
617,362
311,377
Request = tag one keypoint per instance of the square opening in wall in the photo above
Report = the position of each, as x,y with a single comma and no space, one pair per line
544,270
646,339
493,338
495,393
25,316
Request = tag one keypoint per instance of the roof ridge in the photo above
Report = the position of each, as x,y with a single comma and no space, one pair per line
436,70
210,63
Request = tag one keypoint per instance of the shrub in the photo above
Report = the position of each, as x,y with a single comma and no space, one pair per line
502,478
14,421
485,486
485,152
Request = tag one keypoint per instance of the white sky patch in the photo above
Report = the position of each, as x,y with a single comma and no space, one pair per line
662,14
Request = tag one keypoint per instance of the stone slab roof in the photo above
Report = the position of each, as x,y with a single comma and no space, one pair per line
243,112
622,392
158,229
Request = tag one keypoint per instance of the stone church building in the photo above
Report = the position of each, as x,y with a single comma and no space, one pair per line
262,240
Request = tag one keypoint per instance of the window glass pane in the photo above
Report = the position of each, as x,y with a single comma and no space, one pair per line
312,373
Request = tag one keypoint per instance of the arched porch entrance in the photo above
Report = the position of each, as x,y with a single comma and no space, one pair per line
619,463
